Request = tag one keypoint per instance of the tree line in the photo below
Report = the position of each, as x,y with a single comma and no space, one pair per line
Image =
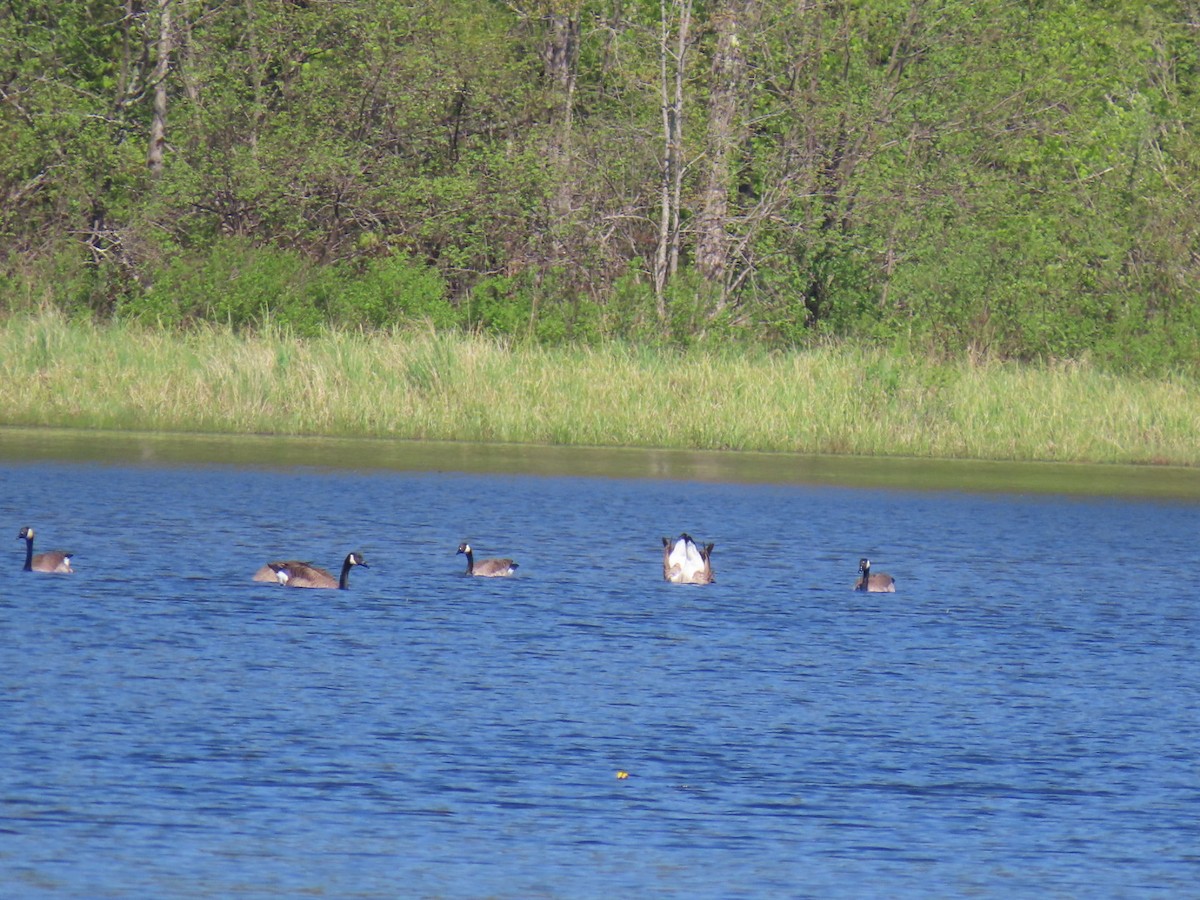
1016,178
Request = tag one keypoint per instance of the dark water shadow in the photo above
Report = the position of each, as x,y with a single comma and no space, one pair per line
26,445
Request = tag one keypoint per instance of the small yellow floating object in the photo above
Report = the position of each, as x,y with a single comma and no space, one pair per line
622,774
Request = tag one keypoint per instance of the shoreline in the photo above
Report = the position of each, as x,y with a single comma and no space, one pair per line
74,446
837,401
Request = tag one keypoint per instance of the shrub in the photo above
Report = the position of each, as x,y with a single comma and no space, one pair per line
238,284
393,290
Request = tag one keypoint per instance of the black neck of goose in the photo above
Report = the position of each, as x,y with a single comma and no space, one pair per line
866,577
345,579
28,554
470,562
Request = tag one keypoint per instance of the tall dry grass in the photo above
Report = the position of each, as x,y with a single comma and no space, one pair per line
837,399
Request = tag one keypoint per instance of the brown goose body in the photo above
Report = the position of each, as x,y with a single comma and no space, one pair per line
879,583
56,561
296,574
486,568
686,562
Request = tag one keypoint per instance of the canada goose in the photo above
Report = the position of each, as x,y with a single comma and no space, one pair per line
487,568
292,573
686,562
879,583
58,561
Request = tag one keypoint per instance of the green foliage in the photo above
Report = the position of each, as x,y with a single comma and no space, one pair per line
1010,179
693,313
494,307
629,314
237,284
67,277
392,290
534,309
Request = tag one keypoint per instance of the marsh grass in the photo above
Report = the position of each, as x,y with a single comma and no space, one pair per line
837,399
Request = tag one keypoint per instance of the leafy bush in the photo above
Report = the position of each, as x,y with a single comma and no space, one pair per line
629,313
523,306
392,290
66,277
237,284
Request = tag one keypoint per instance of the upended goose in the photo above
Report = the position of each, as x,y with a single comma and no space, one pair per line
879,583
486,568
57,561
686,562
293,573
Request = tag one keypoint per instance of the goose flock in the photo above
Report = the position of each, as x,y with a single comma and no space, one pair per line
684,560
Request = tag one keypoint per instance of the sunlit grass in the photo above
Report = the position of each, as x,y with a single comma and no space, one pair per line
836,399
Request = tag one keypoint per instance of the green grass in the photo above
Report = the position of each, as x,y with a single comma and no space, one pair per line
838,399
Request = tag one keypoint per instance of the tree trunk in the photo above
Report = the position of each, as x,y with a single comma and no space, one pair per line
672,64
685,21
158,125
724,132
560,57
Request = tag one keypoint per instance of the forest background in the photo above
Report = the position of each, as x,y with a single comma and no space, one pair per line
1013,179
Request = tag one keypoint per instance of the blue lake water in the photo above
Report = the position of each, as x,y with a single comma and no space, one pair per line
1021,718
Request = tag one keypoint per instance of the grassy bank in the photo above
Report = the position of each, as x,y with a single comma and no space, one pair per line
844,399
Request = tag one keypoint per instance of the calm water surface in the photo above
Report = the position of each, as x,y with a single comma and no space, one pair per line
1020,719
